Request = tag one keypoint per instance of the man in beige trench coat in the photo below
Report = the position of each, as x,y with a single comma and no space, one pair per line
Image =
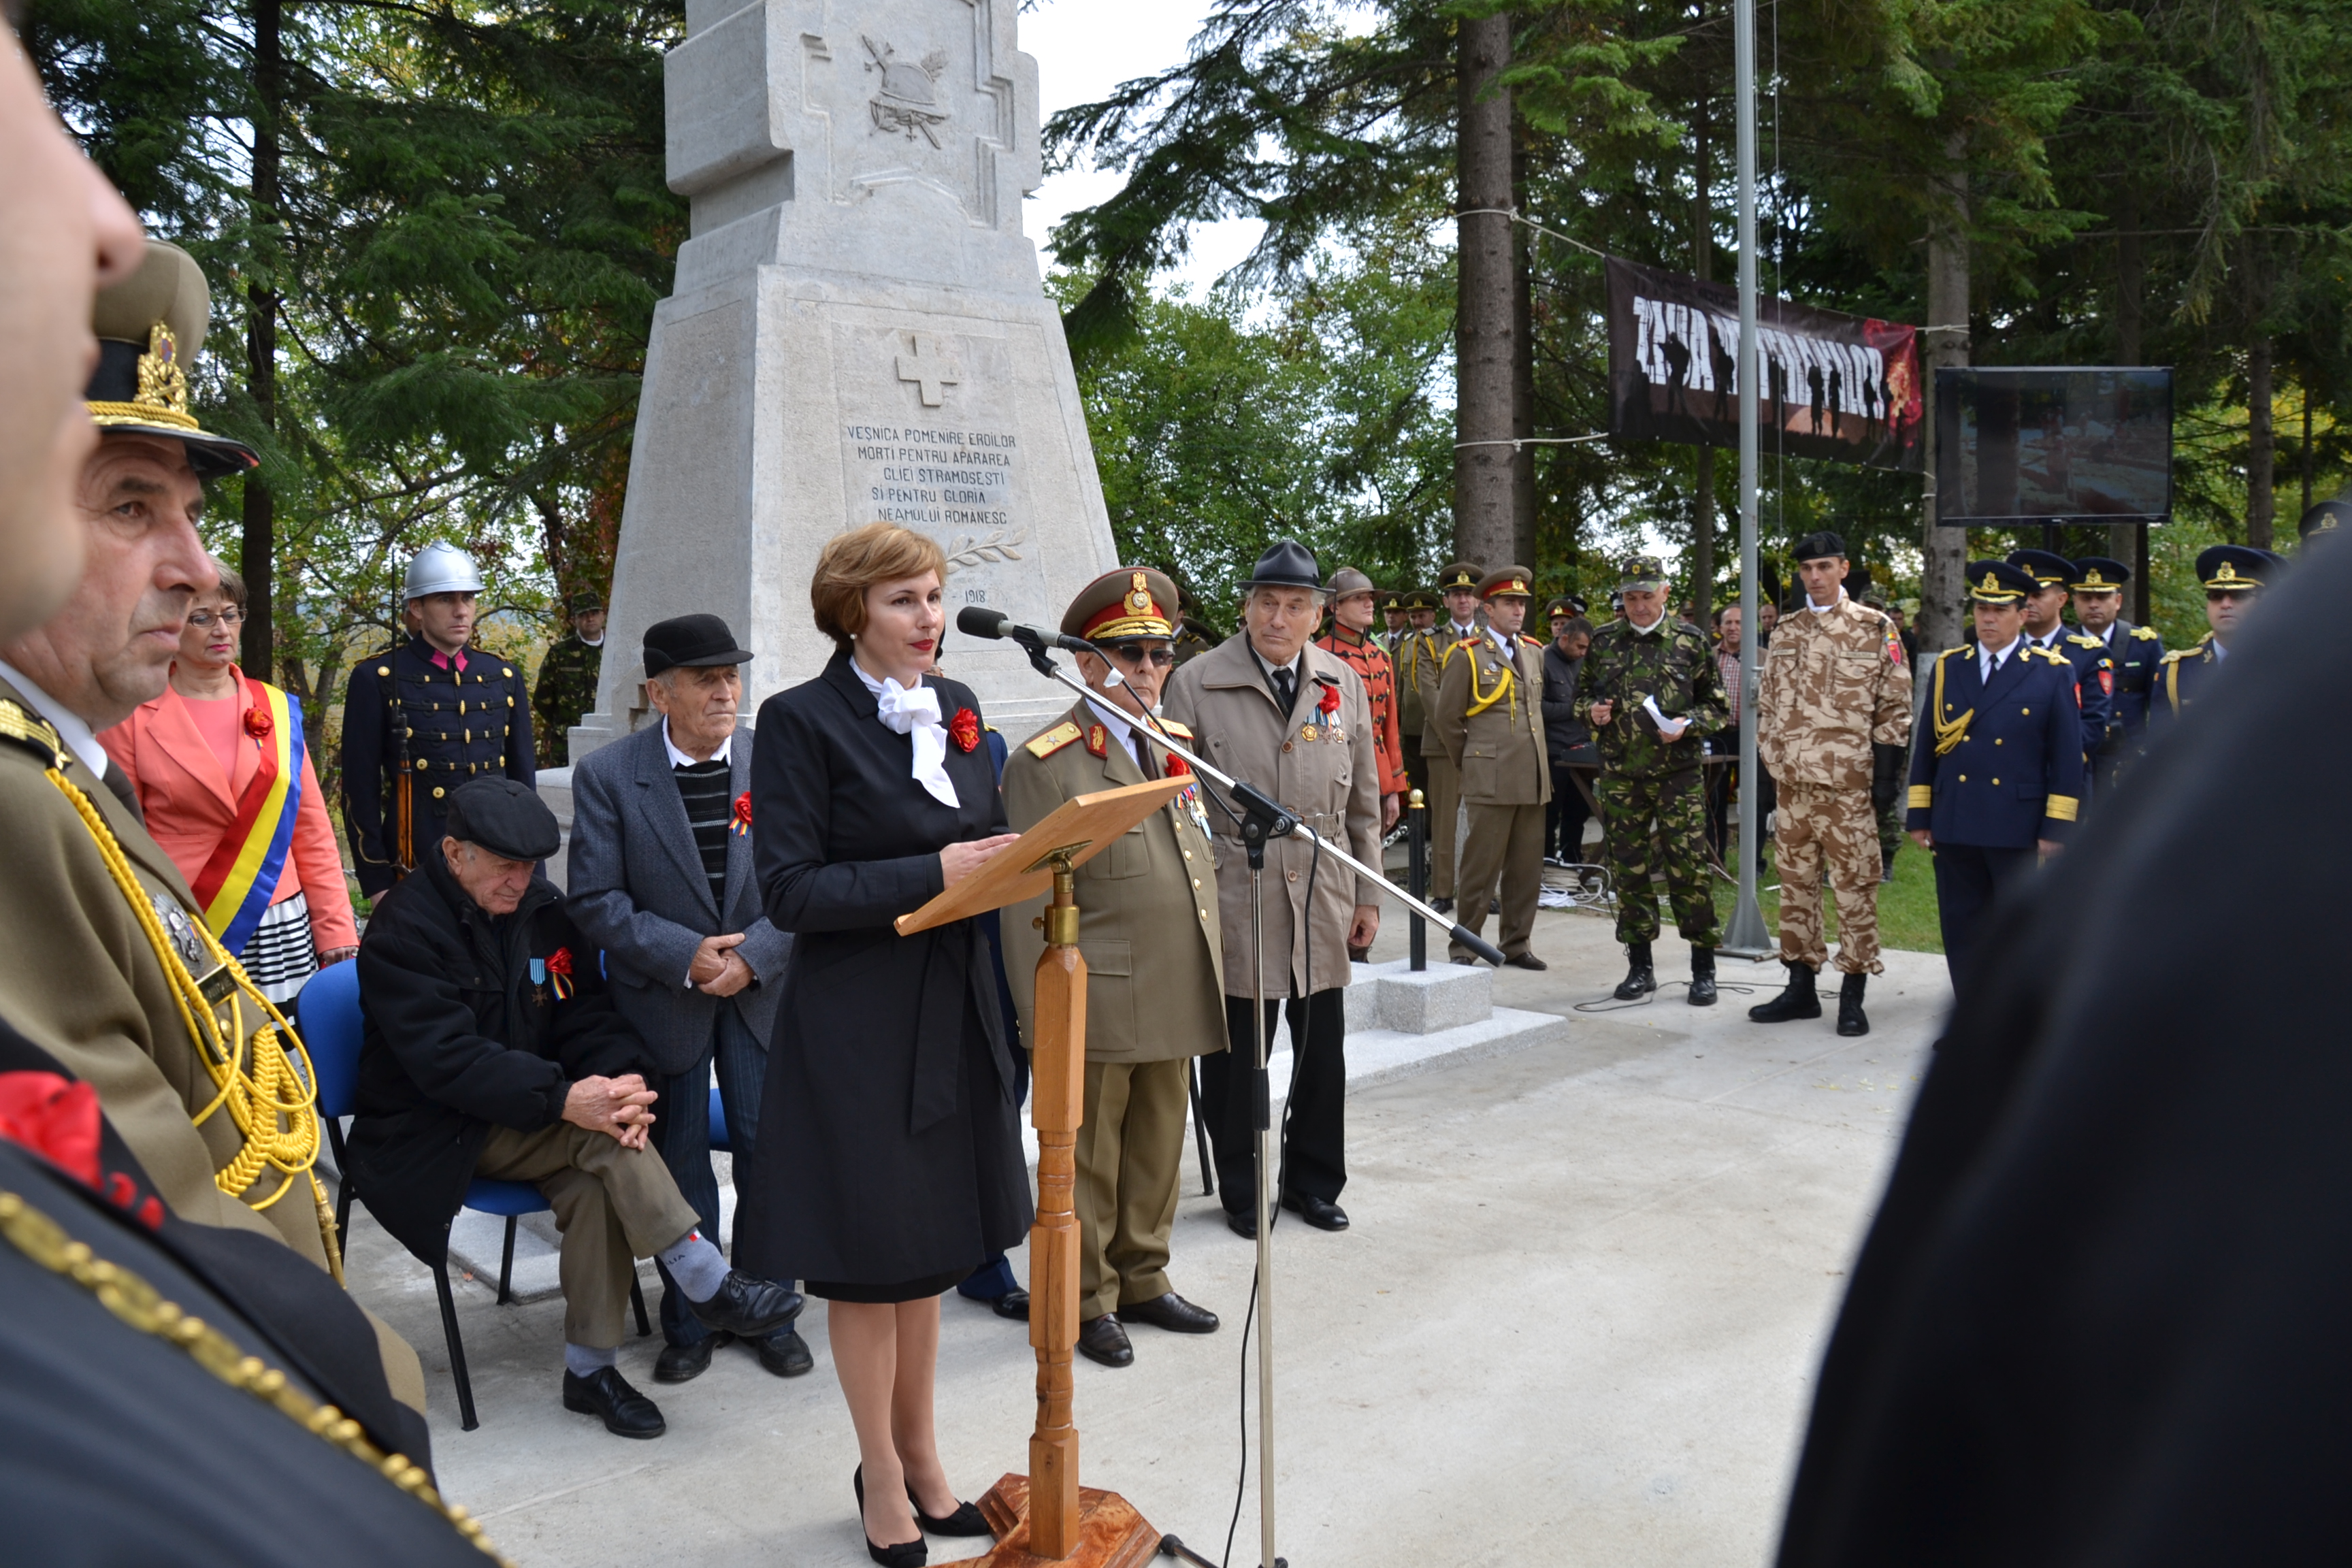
1148,930
1279,713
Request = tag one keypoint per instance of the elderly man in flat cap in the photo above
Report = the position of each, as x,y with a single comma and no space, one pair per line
494,1048
660,878
1147,926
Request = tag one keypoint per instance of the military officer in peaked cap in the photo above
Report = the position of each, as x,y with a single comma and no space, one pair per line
566,686
1149,930
2234,577
2136,652
1489,720
1999,777
423,717
1390,603
1412,648
2046,627
1457,586
2320,520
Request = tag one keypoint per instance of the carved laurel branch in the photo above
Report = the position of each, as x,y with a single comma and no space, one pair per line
997,546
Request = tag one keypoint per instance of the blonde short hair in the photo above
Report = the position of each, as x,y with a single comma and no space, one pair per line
853,561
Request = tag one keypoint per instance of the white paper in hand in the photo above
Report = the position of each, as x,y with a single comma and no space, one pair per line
1671,729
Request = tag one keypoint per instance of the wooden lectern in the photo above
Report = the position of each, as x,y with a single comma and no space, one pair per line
1045,1516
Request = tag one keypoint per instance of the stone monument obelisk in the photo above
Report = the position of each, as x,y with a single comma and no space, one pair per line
858,331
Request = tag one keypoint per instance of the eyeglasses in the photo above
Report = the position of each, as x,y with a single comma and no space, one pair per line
1137,654
230,616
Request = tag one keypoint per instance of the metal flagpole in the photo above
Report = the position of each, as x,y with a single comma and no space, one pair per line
1747,937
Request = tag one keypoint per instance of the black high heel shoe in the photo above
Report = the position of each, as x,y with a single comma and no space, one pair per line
967,1519
913,1554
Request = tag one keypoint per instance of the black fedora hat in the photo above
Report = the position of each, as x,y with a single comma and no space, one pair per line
684,641
1286,564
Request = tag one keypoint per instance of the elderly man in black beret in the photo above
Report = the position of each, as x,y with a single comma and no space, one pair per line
493,1048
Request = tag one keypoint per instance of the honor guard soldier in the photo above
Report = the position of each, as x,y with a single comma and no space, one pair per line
1832,718
424,716
1490,724
113,970
1999,778
566,686
2234,576
2046,627
1457,586
1350,639
1149,930
1416,651
1653,692
2136,653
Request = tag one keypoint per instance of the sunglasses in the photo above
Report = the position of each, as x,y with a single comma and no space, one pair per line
1137,654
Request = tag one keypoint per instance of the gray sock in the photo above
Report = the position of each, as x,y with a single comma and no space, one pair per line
699,1268
585,1361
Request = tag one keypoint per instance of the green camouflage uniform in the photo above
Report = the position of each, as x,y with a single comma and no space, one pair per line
566,689
1653,795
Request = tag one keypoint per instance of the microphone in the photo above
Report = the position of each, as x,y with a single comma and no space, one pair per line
976,621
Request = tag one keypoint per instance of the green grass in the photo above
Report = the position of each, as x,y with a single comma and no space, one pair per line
1906,905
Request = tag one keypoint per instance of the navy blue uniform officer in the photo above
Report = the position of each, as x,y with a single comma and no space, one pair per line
1999,777
2137,652
2046,627
2233,576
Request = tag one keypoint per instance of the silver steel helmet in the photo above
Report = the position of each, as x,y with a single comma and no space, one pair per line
441,569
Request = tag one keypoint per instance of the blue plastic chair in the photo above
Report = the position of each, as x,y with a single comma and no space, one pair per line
329,1014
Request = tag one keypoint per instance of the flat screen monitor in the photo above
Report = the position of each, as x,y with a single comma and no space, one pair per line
2062,445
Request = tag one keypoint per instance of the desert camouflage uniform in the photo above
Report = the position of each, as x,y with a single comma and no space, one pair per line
1834,684
1651,792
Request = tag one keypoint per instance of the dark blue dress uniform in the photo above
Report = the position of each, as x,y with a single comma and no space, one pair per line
413,730
2001,769
2185,674
2094,672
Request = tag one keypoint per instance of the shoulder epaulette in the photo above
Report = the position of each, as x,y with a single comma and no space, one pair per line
2053,655
2084,639
1531,642
34,733
1180,731
1041,746
2174,655
1965,650
2145,634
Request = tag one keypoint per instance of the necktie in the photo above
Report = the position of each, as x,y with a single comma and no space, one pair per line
1284,690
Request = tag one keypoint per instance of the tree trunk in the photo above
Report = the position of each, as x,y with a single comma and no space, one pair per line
1485,523
2303,393
257,548
2127,542
1522,370
1944,551
1703,480
2262,445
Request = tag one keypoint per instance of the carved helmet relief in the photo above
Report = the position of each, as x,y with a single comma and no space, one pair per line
906,103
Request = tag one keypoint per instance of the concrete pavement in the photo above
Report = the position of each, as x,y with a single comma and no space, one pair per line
1577,1317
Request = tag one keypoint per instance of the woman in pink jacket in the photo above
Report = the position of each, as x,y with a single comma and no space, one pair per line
222,765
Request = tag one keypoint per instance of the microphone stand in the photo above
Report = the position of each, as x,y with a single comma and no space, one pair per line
1260,819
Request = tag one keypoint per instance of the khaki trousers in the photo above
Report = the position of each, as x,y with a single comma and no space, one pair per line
613,1206
1130,1156
1831,828
1445,801
1505,846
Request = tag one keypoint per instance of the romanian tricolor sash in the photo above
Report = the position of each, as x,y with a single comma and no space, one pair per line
236,884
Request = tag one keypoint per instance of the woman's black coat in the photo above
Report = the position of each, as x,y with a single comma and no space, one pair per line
460,1036
890,1144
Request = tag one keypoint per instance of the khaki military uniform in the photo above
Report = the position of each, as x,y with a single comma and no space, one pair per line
1413,655
1490,725
1833,684
84,983
1444,791
1148,931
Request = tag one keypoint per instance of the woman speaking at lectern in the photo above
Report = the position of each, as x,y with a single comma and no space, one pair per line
896,1164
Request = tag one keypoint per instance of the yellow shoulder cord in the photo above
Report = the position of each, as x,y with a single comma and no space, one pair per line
1948,735
272,1094
2172,685
1482,700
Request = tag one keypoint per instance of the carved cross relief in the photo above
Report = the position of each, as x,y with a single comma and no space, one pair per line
932,370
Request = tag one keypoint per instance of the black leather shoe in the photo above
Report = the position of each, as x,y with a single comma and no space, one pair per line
1639,978
684,1363
746,1307
1103,1340
1466,960
1702,981
606,1394
1526,961
785,1354
1851,1019
1801,999
1243,1223
1442,906
967,1519
1321,1212
1172,1312
912,1554
1013,1304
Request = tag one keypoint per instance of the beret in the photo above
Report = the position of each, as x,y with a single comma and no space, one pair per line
505,816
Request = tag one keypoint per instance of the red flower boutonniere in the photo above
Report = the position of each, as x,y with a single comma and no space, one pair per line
1177,766
55,1116
559,973
964,729
1331,700
742,823
258,723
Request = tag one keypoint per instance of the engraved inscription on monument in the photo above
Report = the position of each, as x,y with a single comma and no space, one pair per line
953,483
